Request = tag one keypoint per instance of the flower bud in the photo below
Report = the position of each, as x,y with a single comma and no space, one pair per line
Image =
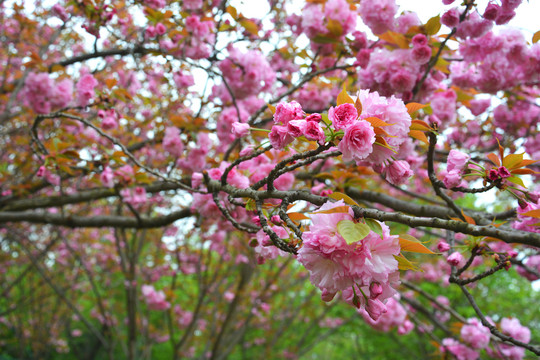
443,246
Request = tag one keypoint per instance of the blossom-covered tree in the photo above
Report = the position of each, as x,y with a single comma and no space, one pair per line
180,180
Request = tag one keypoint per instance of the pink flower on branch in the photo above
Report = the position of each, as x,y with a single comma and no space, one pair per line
154,299
357,142
342,116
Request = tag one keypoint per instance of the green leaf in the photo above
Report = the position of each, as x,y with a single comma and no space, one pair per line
344,98
442,65
324,118
512,160
433,25
321,39
250,205
351,231
517,181
405,264
335,28
375,226
250,26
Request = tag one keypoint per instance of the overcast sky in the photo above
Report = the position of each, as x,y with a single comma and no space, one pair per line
526,19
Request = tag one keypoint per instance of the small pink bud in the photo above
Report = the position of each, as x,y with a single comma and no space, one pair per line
493,175
275,219
503,172
443,246
240,129
455,259
314,117
161,29
256,220
375,289
419,40
375,308
246,151
491,12
327,296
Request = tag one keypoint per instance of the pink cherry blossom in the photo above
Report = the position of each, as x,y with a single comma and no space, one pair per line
443,246
342,116
451,18
286,112
172,143
378,14
475,334
398,172
85,89
154,299
457,160
240,129
460,351
532,262
513,328
394,317
296,128
314,131
421,54
456,259
279,137
357,142
527,223
107,177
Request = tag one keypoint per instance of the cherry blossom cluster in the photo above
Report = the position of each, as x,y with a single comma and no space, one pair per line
374,133
154,299
43,94
246,74
496,61
333,18
476,337
365,271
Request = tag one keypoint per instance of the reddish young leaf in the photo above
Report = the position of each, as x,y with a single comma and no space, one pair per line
376,122
341,196
411,244
524,171
419,135
413,107
494,159
358,105
468,219
336,210
532,213
295,216
419,125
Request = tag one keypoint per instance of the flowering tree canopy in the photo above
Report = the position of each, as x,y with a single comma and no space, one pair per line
180,180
